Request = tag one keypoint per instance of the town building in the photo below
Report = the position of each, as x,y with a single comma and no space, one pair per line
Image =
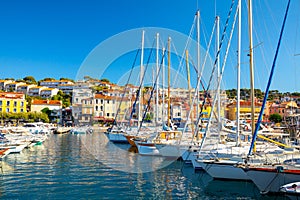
35,91
12,102
47,93
12,86
81,91
245,111
3,84
37,105
24,88
54,83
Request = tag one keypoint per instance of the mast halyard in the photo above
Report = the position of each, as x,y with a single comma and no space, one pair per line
169,81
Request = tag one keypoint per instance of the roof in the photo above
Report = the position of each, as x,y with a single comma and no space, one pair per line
46,102
245,104
49,89
12,95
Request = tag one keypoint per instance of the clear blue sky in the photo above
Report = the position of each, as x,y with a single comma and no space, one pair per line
52,38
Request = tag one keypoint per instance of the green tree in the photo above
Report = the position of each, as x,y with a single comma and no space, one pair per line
276,118
30,80
67,79
105,80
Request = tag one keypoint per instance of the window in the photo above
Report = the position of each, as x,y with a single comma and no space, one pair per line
86,118
108,101
15,104
96,108
107,114
101,101
0,102
7,109
113,114
7,103
96,101
22,110
76,100
113,101
101,108
15,110
178,114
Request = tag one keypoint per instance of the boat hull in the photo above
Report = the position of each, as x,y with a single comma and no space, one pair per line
225,169
147,149
271,179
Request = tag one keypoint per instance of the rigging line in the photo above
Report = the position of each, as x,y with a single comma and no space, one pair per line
199,79
215,64
207,51
139,90
202,85
269,81
129,77
219,79
181,63
152,91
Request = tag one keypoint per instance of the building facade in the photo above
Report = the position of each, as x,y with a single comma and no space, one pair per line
12,102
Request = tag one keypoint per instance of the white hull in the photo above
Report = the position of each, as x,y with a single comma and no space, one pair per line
147,149
168,150
291,188
225,169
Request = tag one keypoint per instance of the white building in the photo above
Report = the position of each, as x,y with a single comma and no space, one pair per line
3,84
12,87
38,105
24,88
35,91
81,91
66,88
54,83
48,92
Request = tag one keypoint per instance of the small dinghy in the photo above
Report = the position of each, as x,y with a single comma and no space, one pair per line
291,188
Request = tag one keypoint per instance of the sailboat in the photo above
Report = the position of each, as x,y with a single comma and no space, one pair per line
270,178
225,164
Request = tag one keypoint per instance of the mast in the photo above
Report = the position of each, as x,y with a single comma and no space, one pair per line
169,81
218,72
251,68
141,79
189,89
157,85
198,59
163,87
238,74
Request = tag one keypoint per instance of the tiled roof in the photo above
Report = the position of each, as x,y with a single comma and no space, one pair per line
46,102
12,95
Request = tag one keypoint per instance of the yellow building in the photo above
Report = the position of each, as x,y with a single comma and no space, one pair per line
12,102
245,110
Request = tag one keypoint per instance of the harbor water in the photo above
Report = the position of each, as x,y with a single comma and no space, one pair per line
89,167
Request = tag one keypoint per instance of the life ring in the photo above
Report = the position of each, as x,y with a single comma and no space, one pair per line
246,128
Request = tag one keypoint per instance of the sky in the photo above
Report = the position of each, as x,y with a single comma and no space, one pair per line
57,38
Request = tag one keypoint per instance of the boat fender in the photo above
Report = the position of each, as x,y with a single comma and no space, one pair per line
279,169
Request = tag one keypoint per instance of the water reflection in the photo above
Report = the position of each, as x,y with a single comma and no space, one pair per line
121,157
78,166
